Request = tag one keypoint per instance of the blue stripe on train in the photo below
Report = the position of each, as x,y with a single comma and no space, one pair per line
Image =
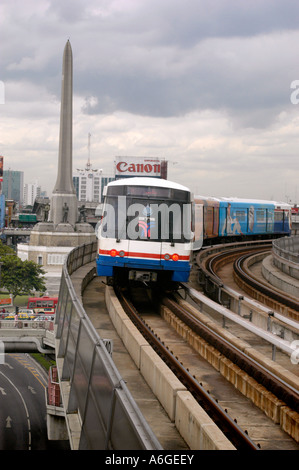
180,269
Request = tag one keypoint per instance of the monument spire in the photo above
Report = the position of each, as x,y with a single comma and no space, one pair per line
64,204
52,240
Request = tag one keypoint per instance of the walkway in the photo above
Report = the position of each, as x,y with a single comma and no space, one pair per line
158,420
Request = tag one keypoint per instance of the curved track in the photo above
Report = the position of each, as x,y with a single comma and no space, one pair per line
211,261
237,436
280,389
270,295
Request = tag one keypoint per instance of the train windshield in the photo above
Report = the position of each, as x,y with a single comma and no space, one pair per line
151,213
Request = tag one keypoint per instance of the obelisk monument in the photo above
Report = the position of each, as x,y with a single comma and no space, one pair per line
53,239
64,204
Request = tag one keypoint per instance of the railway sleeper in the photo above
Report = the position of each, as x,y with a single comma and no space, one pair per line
253,388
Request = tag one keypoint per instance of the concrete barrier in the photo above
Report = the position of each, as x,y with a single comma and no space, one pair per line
164,384
289,420
197,428
201,433
274,408
277,275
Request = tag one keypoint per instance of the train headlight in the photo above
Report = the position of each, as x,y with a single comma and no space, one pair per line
167,256
121,253
175,257
113,253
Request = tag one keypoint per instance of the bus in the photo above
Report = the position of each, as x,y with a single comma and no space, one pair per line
43,304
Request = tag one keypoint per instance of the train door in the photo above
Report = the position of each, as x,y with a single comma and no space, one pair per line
260,226
278,220
216,221
287,221
209,221
223,218
270,220
142,225
198,233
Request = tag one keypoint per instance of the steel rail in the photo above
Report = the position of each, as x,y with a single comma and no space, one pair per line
237,252
208,268
238,437
273,293
273,383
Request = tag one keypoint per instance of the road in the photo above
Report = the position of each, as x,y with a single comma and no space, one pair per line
23,424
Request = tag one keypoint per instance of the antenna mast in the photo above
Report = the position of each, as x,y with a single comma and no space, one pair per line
88,162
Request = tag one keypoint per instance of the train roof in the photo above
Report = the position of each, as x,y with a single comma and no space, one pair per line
277,204
146,181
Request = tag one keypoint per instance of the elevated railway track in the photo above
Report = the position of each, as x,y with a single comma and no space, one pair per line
239,438
278,409
187,321
230,278
263,291
211,261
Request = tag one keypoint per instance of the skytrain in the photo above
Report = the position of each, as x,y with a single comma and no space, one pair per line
146,232
229,219
151,226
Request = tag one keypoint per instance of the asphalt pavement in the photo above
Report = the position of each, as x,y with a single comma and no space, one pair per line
23,423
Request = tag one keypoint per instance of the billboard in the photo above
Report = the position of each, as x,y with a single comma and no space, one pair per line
140,166
2,211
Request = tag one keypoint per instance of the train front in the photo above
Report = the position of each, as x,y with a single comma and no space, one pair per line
146,231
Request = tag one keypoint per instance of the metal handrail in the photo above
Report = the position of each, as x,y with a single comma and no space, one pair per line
95,382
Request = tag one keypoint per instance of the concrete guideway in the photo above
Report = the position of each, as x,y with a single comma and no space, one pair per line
27,336
139,365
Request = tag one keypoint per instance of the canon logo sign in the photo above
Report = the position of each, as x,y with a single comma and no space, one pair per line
123,167
140,166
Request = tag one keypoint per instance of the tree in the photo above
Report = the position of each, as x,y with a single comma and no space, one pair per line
5,250
21,277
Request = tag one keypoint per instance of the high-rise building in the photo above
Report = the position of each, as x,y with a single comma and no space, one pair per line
13,185
89,184
31,192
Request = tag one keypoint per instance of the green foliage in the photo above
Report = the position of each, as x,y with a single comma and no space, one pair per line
43,360
21,277
5,250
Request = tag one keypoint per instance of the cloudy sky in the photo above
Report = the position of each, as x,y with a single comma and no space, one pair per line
206,85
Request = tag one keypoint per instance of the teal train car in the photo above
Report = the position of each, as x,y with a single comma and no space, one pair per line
230,219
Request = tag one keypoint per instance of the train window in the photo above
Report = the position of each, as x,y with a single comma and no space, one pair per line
157,192
159,221
116,191
278,216
134,218
287,217
108,226
149,192
260,215
241,215
270,219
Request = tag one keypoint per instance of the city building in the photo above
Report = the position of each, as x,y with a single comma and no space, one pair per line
89,184
13,185
31,192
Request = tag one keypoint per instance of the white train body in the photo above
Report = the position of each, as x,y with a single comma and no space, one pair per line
146,231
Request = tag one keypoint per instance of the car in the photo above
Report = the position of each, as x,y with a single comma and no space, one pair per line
44,318
20,316
28,311
10,317
26,316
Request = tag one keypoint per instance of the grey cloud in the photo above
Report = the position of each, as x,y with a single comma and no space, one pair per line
162,59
